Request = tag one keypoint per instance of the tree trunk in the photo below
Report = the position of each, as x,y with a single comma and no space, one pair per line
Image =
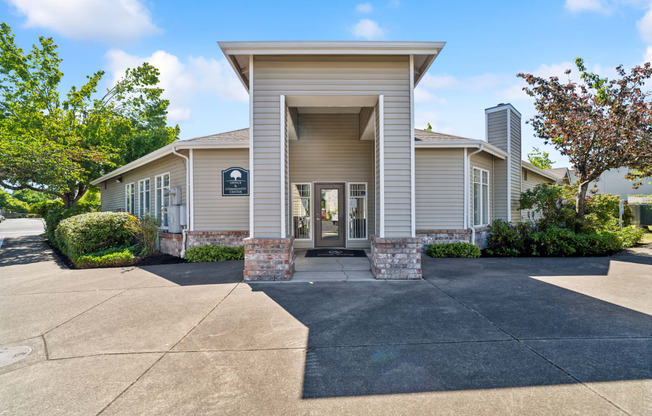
580,202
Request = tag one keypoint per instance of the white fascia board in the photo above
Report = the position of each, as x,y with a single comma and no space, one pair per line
164,151
493,150
330,48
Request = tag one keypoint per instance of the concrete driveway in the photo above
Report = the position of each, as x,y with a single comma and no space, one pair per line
477,336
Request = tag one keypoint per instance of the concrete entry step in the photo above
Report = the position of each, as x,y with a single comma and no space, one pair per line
331,269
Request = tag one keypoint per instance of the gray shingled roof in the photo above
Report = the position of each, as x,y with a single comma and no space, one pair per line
429,136
559,173
242,135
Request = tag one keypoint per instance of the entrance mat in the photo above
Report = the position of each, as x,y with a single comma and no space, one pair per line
332,252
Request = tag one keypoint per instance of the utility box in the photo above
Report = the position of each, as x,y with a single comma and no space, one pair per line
175,196
183,218
174,219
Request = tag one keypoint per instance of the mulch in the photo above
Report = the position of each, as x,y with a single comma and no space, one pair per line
151,260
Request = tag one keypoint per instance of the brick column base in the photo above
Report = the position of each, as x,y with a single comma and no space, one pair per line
269,258
396,258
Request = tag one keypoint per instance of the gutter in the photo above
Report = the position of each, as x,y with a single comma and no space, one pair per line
188,196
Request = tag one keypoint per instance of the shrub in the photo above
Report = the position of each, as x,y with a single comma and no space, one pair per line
55,215
147,233
629,236
554,202
554,241
466,250
92,232
213,252
506,240
593,244
603,212
112,257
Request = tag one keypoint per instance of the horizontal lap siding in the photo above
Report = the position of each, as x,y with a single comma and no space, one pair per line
439,189
534,179
113,193
331,75
329,150
214,212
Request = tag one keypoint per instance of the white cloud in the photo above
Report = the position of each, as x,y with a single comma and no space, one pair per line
645,26
364,8
422,95
484,82
577,6
182,81
648,55
367,29
108,20
439,81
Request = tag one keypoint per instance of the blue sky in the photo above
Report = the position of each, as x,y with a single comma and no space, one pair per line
488,43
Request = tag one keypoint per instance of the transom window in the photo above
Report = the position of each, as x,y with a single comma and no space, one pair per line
301,211
143,197
162,190
480,196
130,198
357,211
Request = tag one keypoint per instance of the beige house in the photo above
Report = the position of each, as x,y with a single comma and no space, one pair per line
332,159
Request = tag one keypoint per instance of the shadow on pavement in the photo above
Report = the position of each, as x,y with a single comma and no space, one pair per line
189,274
27,250
492,328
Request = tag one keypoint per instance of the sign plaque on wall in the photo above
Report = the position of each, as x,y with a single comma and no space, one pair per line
235,182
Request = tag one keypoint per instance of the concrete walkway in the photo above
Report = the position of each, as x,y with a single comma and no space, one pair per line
476,337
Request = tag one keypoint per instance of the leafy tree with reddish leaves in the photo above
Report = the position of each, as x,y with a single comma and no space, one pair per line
598,123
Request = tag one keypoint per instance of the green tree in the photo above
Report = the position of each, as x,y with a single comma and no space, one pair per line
57,145
30,196
15,205
539,158
599,124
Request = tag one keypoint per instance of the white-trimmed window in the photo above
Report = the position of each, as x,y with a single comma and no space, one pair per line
162,193
130,198
143,197
480,196
301,209
357,211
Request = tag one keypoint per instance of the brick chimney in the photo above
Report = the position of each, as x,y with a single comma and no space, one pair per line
503,129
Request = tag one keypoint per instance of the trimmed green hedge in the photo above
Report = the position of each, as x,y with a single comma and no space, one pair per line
94,232
213,252
112,257
507,240
466,250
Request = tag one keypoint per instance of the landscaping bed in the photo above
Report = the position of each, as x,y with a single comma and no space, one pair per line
557,233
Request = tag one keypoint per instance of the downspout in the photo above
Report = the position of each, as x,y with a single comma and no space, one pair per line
466,191
185,230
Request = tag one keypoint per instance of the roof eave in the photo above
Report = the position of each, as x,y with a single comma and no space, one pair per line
471,144
164,151
429,49
538,171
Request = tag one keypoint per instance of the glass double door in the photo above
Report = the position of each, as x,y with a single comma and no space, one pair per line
330,215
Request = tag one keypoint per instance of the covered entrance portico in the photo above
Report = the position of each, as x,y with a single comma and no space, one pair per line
331,151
